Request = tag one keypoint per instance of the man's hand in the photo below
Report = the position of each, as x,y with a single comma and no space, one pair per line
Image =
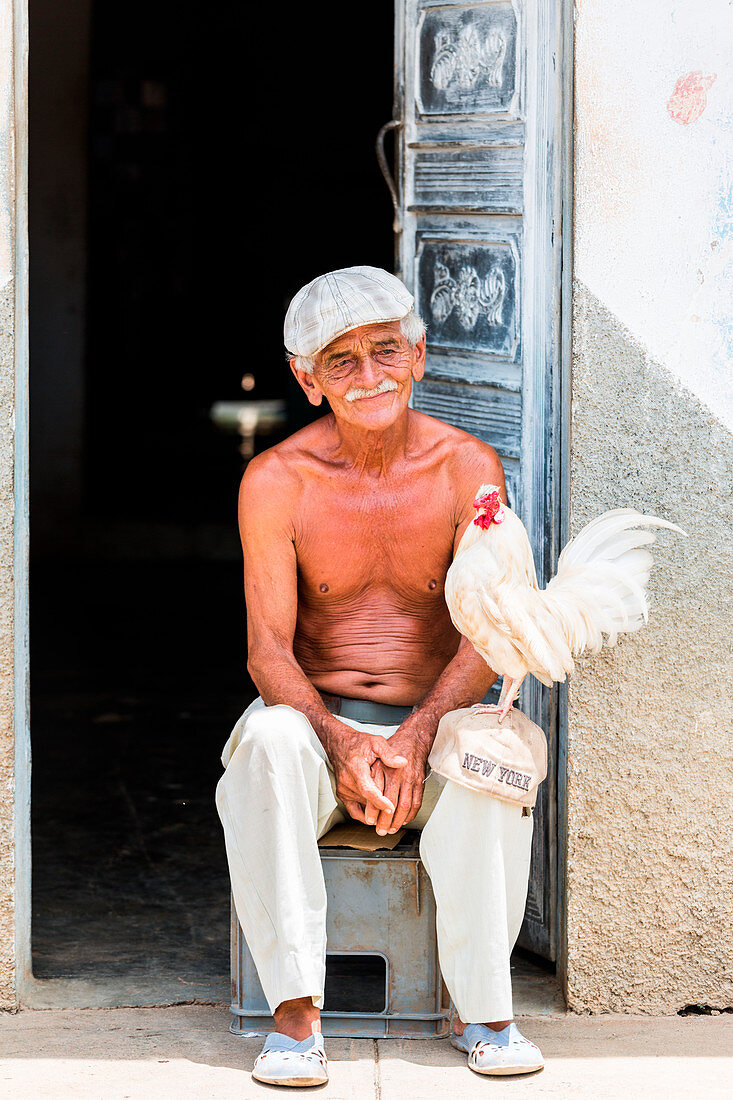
354,755
404,786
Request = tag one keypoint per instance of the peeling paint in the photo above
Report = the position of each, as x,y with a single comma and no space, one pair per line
689,98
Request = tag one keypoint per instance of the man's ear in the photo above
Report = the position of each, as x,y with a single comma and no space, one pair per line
418,367
307,383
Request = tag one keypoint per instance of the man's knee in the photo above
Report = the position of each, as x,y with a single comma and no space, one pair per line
276,729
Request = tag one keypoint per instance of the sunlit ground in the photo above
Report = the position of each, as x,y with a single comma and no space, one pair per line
187,1053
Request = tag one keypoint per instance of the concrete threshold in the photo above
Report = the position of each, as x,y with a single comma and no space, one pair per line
167,1053
133,992
535,994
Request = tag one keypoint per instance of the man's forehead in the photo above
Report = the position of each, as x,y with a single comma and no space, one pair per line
380,330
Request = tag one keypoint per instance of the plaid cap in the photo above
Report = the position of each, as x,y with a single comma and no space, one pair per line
341,300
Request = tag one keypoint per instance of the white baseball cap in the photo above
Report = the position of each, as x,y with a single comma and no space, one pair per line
341,300
506,760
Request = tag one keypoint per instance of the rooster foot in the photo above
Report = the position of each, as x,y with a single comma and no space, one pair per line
509,692
492,708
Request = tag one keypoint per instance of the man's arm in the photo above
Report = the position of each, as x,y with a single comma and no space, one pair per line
267,501
464,681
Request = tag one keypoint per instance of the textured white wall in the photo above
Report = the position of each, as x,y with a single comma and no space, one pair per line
6,141
8,328
650,745
654,233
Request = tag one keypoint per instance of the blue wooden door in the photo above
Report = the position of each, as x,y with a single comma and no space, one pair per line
478,99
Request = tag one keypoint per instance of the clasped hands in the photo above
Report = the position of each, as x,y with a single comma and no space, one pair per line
380,780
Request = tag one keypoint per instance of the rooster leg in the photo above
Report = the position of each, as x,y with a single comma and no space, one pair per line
509,692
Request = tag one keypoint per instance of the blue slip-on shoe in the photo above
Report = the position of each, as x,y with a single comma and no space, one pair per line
498,1052
285,1061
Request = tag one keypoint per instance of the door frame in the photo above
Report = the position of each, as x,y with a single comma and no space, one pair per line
566,130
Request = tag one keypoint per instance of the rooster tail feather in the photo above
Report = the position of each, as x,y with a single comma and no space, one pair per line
600,585
607,528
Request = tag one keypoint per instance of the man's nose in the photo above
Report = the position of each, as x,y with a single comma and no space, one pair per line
370,372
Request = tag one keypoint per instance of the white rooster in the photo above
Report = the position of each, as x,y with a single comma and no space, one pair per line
599,588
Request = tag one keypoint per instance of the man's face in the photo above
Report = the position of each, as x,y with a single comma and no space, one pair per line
366,375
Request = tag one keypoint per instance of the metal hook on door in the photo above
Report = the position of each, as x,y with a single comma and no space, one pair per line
394,124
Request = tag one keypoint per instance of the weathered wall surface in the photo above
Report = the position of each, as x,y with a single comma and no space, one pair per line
7,420
7,773
650,752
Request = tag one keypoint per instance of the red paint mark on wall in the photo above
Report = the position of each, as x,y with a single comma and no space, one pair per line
689,98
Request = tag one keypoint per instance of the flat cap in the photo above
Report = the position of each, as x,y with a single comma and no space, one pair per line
341,300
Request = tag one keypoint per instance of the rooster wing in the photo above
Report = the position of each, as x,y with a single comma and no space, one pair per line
599,590
503,618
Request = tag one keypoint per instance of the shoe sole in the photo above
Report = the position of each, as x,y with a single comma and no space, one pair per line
506,1071
498,1071
294,1082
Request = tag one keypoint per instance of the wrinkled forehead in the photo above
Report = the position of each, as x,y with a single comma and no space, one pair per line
363,338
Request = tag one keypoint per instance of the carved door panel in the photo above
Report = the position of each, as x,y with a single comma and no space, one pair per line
477,96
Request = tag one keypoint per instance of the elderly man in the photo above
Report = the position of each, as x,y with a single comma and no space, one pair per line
348,529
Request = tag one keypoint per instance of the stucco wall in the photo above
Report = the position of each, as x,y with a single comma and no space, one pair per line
7,424
7,774
650,755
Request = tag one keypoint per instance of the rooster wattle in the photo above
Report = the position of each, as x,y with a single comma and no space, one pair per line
599,589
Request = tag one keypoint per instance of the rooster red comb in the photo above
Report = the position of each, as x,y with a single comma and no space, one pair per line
489,505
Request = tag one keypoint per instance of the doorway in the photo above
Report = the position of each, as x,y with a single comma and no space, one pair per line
192,166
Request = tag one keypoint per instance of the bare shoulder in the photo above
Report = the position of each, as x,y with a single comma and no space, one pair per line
476,463
274,479
290,457
267,481
468,461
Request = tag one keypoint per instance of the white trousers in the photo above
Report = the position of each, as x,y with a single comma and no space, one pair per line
277,797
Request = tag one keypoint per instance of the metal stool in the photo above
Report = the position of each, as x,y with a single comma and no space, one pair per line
379,904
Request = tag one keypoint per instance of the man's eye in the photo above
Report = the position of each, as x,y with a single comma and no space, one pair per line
338,370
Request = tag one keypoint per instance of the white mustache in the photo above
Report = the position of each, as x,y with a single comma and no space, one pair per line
387,385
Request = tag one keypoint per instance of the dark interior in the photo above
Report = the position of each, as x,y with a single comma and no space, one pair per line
193,165
231,160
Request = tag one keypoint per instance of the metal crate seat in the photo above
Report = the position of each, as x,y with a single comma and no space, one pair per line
379,904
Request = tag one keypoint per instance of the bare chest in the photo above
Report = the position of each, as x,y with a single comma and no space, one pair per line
349,543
